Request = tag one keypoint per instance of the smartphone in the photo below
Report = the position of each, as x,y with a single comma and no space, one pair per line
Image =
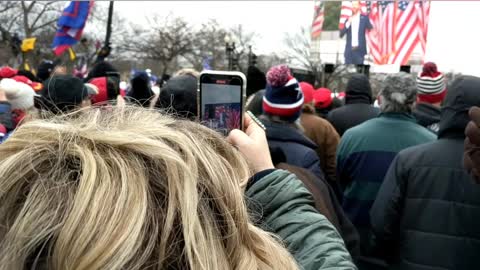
221,100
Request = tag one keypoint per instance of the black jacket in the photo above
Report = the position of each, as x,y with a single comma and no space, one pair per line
427,116
298,149
358,105
427,213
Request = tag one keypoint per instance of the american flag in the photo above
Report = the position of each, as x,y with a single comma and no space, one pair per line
398,27
423,11
318,18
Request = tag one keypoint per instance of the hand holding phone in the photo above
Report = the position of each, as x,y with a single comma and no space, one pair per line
253,145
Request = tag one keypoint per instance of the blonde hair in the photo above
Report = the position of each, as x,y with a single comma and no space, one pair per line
126,189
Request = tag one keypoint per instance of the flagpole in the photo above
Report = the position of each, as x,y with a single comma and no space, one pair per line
105,51
109,24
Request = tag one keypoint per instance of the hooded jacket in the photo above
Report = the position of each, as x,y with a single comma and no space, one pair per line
427,116
427,213
358,105
298,149
281,204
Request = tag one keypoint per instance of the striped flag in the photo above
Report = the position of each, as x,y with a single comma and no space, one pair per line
423,11
318,18
374,35
406,32
70,25
398,27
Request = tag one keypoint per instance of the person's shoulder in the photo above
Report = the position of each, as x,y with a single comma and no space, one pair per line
422,158
336,113
416,150
267,187
365,127
424,133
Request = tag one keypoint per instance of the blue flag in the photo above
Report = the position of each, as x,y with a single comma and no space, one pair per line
70,25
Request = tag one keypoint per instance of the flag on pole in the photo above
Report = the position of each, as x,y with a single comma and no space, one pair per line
28,44
318,18
71,54
70,25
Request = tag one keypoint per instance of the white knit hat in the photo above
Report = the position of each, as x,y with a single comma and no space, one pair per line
19,95
430,85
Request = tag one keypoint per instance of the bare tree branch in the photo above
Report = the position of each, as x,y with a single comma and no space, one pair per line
45,8
7,5
165,42
299,49
45,24
30,6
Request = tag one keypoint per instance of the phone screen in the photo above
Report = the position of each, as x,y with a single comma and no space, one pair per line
221,103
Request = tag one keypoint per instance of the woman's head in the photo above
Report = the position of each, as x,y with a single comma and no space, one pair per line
126,189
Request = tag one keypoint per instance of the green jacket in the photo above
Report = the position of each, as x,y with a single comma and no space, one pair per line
287,209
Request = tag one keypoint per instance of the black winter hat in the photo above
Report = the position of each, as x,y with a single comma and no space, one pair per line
180,95
62,93
45,69
140,92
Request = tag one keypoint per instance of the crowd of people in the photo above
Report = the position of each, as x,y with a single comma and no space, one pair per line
98,175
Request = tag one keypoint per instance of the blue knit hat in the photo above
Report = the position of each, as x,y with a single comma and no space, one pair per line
283,96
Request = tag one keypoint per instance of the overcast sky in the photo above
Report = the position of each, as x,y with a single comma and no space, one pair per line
453,40
270,19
